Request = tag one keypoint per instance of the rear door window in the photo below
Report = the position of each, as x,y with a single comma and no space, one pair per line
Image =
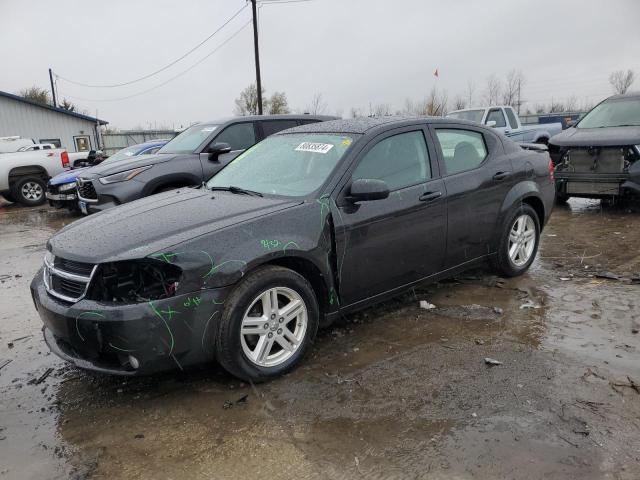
274,126
497,116
239,136
461,149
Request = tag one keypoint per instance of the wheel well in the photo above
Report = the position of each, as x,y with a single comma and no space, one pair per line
36,170
538,206
308,270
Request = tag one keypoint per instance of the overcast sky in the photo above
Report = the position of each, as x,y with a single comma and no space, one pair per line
354,52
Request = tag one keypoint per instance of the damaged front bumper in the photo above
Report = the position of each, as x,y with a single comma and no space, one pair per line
131,339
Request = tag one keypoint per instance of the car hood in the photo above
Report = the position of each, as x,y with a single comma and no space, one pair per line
145,226
67,176
107,168
597,137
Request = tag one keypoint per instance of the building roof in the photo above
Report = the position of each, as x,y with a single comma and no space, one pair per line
49,107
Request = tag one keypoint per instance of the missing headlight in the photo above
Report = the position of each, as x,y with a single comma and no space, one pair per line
135,281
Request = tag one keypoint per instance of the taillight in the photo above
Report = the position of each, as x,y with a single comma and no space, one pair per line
552,170
64,156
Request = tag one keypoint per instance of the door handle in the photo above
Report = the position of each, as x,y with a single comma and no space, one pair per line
501,176
430,196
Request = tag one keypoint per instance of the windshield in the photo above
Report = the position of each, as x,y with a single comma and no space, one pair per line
613,113
471,115
189,140
290,165
123,154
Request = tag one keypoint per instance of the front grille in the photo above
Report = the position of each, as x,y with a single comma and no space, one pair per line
73,266
86,190
66,279
52,189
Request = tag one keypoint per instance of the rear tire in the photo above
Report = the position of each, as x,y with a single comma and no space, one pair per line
515,250
259,303
29,191
9,197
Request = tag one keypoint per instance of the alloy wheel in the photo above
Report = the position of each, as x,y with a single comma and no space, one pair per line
273,327
32,191
522,240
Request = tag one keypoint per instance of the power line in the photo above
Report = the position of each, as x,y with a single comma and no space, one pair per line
161,69
170,79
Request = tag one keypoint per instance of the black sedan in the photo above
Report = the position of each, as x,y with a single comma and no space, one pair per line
309,224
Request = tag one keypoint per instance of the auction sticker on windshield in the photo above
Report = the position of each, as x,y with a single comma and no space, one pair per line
314,147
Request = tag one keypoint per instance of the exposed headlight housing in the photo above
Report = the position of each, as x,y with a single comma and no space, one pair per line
65,187
135,281
123,176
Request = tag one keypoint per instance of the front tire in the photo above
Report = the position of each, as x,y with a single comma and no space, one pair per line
29,191
269,322
519,242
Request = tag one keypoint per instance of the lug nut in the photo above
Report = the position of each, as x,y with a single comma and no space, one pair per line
266,325
270,334
281,319
279,331
273,315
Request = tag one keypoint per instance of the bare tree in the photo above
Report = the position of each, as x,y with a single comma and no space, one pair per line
571,104
67,105
493,89
277,103
471,88
459,103
247,102
540,108
36,94
381,110
621,80
318,106
511,94
436,103
355,112
556,107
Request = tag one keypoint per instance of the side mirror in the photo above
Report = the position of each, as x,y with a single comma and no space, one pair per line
490,123
366,189
218,148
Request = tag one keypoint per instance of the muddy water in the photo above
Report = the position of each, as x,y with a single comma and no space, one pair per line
391,392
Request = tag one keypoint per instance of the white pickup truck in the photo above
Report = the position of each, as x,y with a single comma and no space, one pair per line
506,120
24,175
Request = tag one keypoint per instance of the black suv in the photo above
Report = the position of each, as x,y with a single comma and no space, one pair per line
189,159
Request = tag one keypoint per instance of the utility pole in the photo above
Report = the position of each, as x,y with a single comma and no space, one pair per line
255,44
53,90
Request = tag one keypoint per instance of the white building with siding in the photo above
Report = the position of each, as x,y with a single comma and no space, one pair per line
46,124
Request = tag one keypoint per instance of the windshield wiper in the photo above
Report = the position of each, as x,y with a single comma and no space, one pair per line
238,190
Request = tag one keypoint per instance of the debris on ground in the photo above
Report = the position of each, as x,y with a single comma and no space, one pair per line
42,377
491,361
241,401
426,305
479,341
635,330
498,310
4,363
138,435
635,278
607,275
630,384
528,305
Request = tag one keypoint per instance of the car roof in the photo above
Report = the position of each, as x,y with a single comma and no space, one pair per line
367,124
625,95
252,118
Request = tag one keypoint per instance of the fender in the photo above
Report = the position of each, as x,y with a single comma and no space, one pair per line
541,134
521,190
170,179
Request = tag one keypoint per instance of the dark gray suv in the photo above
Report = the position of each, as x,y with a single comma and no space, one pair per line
191,158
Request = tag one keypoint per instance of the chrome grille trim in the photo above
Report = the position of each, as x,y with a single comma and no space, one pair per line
50,270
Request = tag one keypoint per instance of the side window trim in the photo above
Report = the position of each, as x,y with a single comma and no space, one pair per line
499,110
383,136
441,161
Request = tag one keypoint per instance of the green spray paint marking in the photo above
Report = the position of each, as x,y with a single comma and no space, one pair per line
324,202
206,325
167,257
270,244
165,324
333,297
290,245
118,348
217,303
82,315
217,267
192,302
169,312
